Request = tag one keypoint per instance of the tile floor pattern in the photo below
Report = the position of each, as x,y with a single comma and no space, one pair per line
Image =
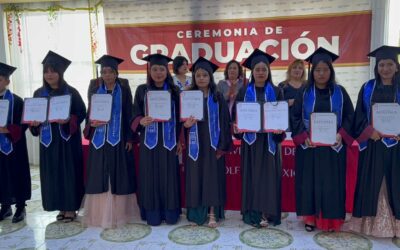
41,231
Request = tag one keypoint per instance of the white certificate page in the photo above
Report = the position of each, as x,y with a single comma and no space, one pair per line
35,109
386,118
323,129
159,105
192,104
276,116
100,107
4,108
248,116
59,107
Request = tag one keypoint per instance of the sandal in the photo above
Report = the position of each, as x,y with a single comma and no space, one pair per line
309,228
212,222
68,219
60,216
264,222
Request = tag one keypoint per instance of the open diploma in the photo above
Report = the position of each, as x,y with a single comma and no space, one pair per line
59,107
35,109
323,129
386,118
248,116
100,107
159,105
276,116
192,104
4,107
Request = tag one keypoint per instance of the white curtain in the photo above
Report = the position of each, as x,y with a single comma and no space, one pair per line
72,31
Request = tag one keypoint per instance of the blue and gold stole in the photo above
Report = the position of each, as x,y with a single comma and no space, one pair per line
213,127
336,103
6,146
269,96
169,129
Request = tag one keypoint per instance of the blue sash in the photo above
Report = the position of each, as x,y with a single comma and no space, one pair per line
213,127
369,88
113,127
46,136
6,146
168,127
250,96
336,103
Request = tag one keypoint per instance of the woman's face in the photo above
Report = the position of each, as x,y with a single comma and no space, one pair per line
158,73
3,83
387,68
260,72
183,69
322,73
297,71
233,71
108,75
202,78
52,78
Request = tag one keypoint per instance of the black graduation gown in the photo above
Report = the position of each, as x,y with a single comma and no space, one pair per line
290,92
61,166
376,161
205,178
159,181
15,178
320,180
261,171
112,164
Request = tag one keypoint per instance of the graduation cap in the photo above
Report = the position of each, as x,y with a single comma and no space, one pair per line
386,52
204,64
109,61
6,70
256,57
321,54
157,59
58,62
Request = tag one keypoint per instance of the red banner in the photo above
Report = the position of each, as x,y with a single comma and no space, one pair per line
347,34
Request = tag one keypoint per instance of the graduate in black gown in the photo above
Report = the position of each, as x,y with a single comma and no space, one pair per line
377,196
261,163
15,178
110,180
320,181
61,166
207,141
158,180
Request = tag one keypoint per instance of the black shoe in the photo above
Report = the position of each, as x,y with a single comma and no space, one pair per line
19,215
5,212
309,228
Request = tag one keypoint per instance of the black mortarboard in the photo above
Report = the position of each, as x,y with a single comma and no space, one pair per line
204,64
256,57
321,54
158,59
386,52
56,61
6,70
109,61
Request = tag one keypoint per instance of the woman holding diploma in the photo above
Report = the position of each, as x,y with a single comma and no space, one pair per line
207,141
15,179
321,170
159,195
111,182
260,152
61,173
377,197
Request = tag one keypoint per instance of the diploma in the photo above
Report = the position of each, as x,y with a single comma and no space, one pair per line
192,105
4,108
248,116
323,127
386,119
100,107
276,116
59,108
158,103
35,109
